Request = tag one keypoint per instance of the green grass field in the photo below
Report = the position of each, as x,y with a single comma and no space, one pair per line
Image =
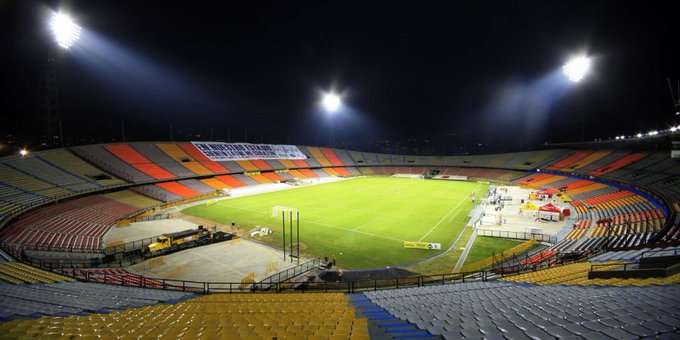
362,221
486,246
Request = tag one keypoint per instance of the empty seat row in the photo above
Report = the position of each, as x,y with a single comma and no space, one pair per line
508,310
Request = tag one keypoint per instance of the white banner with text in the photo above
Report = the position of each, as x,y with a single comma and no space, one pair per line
218,151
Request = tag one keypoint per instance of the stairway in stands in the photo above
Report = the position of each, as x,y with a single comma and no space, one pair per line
382,325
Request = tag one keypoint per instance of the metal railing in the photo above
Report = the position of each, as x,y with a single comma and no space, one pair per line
129,246
135,280
289,273
650,253
613,266
517,235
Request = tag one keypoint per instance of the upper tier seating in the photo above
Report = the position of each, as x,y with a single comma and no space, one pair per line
197,155
65,159
618,164
101,157
506,310
237,316
570,160
43,170
181,157
131,156
17,180
318,156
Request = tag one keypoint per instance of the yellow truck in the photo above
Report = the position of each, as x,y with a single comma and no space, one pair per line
172,242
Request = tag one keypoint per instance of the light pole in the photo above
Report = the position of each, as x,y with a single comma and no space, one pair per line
331,103
65,33
575,70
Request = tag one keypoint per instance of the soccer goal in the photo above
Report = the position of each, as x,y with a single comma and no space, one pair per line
277,210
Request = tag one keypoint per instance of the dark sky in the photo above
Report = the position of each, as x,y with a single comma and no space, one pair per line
439,76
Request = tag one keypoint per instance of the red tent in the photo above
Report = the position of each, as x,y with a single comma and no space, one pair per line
550,208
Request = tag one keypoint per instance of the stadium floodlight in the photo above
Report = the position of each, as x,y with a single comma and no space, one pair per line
576,68
66,31
331,102
23,152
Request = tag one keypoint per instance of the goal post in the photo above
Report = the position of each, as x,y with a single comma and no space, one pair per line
277,210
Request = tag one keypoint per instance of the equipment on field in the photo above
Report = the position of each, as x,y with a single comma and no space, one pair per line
260,231
172,242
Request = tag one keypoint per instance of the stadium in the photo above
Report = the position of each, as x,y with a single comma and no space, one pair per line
196,237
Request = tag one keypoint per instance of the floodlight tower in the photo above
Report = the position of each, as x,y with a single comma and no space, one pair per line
65,33
575,70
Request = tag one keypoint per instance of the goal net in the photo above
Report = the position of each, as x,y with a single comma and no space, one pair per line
279,209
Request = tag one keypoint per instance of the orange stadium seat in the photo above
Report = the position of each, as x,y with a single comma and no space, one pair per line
618,164
272,176
330,171
127,154
287,163
318,155
577,184
572,159
260,164
178,189
230,181
331,156
300,163
247,166
308,173
181,157
296,174
534,178
214,183
260,178
342,171
589,159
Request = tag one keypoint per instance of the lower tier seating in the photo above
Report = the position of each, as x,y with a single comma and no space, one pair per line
237,316
17,273
69,298
507,310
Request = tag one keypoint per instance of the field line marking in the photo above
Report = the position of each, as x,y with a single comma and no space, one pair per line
330,226
445,216
442,219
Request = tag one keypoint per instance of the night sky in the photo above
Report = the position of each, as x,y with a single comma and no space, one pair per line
416,77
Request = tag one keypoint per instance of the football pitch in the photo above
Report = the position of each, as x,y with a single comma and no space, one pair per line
363,221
